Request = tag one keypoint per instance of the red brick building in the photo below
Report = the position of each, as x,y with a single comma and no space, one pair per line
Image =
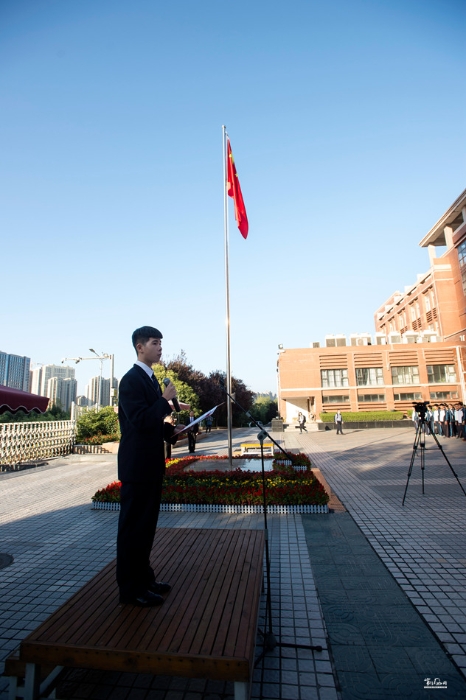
418,351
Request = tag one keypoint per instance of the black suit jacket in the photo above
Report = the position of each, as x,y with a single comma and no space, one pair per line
141,410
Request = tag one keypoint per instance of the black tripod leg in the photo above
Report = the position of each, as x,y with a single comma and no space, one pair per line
413,455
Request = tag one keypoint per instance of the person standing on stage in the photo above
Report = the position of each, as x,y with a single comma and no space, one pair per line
142,408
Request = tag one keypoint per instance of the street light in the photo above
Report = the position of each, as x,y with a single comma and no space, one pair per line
103,356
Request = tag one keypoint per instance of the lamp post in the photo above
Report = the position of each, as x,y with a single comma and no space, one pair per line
103,356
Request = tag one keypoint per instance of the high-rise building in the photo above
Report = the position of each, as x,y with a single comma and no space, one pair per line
41,376
98,391
14,371
62,391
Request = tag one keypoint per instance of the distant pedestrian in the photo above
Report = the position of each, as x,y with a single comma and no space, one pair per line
302,422
192,433
338,418
208,424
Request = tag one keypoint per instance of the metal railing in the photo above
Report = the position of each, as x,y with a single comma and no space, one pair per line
26,442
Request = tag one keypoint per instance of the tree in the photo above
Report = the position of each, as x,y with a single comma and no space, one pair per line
102,422
184,391
264,408
239,391
54,413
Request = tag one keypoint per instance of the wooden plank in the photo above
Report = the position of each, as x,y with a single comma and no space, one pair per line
200,603
186,558
205,628
220,605
190,665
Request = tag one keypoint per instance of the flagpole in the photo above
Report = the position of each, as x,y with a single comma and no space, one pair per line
227,295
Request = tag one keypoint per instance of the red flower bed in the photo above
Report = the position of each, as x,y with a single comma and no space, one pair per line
285,486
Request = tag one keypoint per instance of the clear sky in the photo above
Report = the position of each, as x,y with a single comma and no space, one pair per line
347,123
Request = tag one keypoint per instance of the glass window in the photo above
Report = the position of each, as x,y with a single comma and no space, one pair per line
334,377
416,396
371,398
369,376
405,375
441,374
413,312
427,302
335,399
462,261
443,395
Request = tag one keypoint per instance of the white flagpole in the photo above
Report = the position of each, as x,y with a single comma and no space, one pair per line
227,294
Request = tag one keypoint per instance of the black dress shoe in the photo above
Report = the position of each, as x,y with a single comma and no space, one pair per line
144,600
160,587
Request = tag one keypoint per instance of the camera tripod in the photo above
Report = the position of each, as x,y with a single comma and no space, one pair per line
420,443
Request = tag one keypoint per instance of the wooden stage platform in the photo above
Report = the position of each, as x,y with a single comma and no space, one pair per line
206,627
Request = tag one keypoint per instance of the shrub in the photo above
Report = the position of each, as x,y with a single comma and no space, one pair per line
98,423
363,416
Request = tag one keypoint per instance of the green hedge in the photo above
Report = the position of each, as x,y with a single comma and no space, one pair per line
363,416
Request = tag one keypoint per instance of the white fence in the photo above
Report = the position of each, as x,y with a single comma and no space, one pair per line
25,442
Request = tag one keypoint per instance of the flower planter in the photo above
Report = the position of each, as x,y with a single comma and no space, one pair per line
206,508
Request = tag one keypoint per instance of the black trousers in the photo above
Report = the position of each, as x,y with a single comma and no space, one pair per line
139,513
191,440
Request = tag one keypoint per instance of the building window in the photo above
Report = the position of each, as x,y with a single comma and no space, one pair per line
334,377
441,374
443,395
369,376
405,375
413,312
427,301
335,399
416,396
371,398
462,261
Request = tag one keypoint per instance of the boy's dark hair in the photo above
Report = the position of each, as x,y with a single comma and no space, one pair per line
142,335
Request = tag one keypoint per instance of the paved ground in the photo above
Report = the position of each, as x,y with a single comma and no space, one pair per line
417,553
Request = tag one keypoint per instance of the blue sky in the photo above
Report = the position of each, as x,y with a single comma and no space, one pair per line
347,125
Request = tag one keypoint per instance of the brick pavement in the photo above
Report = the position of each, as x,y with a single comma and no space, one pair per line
58,543
421,544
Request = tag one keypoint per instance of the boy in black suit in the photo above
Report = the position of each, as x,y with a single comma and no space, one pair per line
141,468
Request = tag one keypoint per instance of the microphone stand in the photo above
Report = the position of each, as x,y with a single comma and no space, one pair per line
269,639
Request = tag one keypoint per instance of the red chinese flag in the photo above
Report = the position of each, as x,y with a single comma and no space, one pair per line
234,190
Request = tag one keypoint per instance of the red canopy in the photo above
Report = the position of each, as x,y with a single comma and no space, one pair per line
14,400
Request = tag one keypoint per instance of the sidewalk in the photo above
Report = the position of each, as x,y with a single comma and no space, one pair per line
58,543
420,547
356,574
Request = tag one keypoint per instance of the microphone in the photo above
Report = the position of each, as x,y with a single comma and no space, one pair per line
174,400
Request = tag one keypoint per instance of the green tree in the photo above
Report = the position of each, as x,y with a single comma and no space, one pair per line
184,392
264,408
54,413
102,422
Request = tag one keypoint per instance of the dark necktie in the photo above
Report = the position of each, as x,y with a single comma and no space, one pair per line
156,384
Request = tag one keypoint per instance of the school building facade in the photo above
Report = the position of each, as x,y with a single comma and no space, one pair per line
418,351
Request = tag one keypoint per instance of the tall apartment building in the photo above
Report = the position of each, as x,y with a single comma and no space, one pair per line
418,352
41,376
62,391
14,371
98,391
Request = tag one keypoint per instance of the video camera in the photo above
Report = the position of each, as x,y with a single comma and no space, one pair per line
421,407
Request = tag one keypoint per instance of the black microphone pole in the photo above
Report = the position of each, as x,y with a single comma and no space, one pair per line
270,641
